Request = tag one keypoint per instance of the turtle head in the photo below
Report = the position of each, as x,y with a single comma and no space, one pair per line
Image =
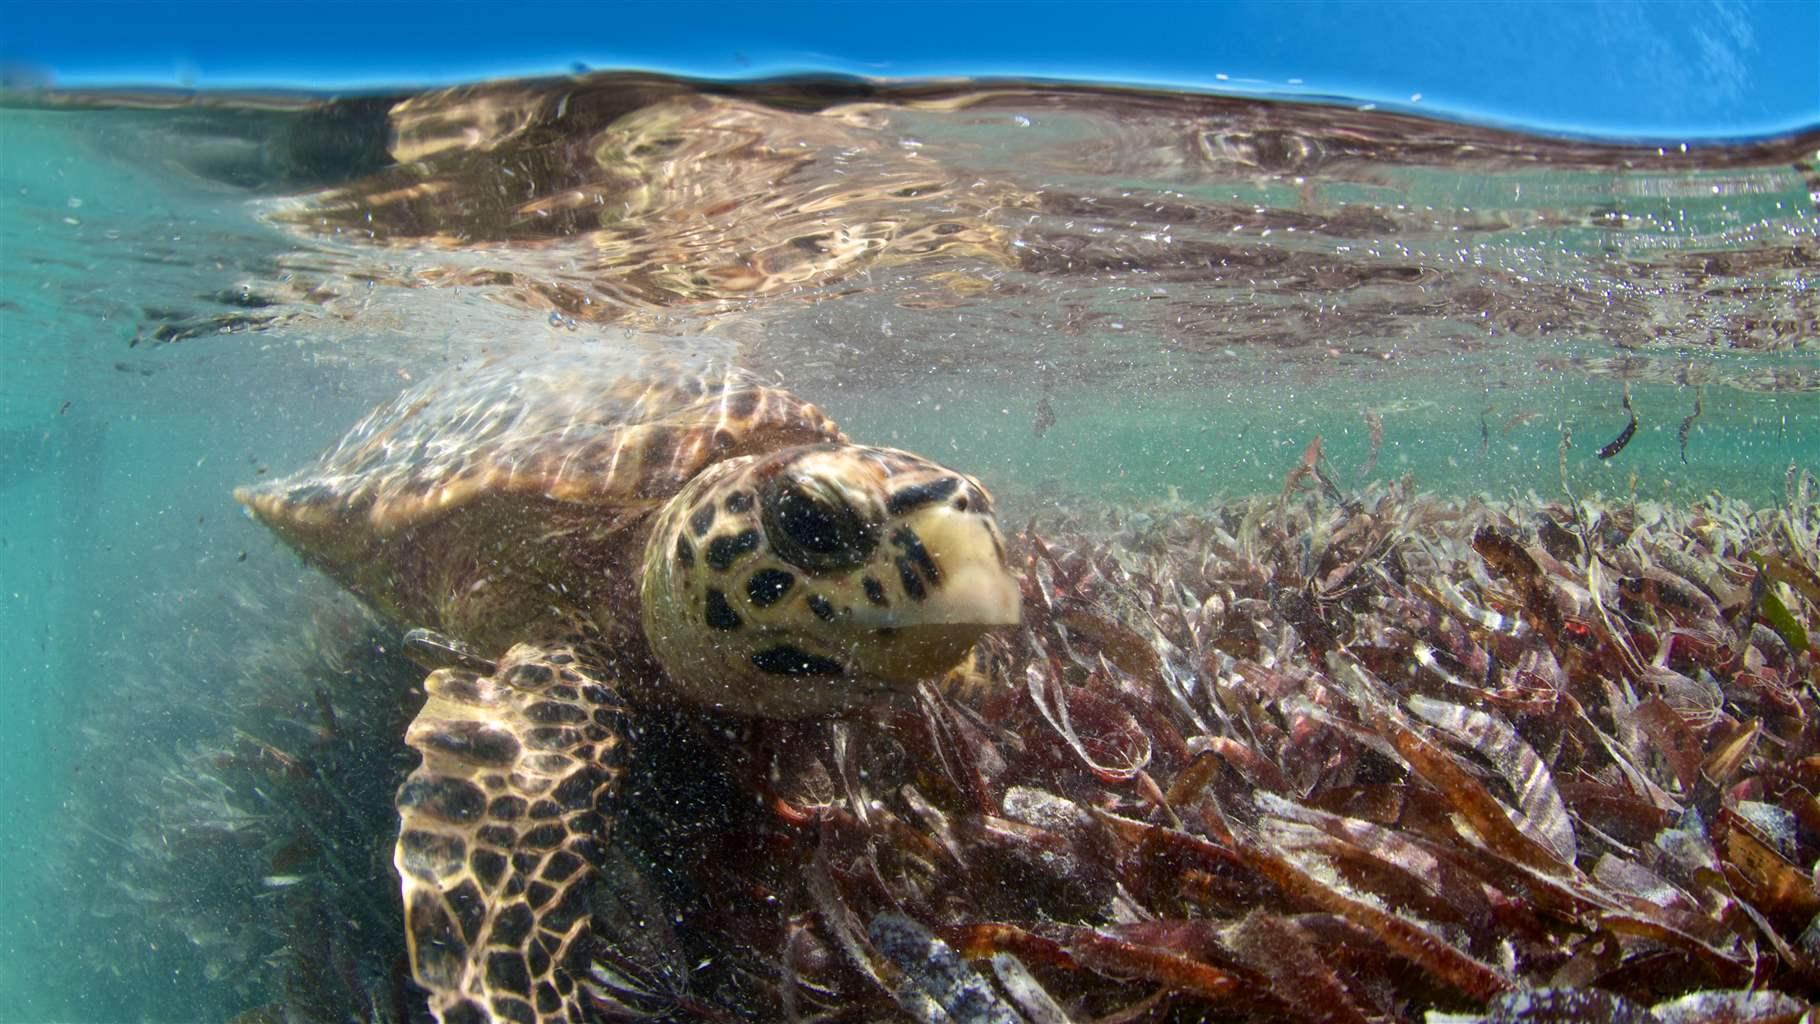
820,577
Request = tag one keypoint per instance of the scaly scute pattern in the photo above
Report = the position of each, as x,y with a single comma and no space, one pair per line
574,426
462,504
501,832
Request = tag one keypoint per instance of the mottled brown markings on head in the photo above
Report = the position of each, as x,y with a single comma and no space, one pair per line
738,502
724,550
702,519
875,592
790,660
917,495
814,530
685,552
721,614
913,584
822,609
912,546
766,586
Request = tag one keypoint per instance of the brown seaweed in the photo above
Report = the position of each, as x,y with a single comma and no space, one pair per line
1373,756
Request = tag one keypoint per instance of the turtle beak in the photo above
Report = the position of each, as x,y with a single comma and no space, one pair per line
969,584
949,586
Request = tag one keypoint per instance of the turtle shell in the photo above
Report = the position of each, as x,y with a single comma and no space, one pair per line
482,499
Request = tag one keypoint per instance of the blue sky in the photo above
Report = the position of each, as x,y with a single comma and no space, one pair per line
1656,68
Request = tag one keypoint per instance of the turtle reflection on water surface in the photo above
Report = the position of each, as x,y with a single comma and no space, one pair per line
598,532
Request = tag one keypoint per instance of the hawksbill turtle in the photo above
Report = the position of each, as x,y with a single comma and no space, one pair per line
577,533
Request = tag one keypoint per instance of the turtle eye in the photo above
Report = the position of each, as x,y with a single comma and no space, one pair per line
814,528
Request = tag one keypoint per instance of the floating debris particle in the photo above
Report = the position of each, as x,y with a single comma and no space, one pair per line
1688,424
1518,419
1045,416
1630,429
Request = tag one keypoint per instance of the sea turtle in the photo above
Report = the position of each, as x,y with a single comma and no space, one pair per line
590,531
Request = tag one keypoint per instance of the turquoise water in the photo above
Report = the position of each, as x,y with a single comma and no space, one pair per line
1081,297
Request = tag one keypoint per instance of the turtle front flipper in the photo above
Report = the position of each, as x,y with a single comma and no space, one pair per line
501,829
